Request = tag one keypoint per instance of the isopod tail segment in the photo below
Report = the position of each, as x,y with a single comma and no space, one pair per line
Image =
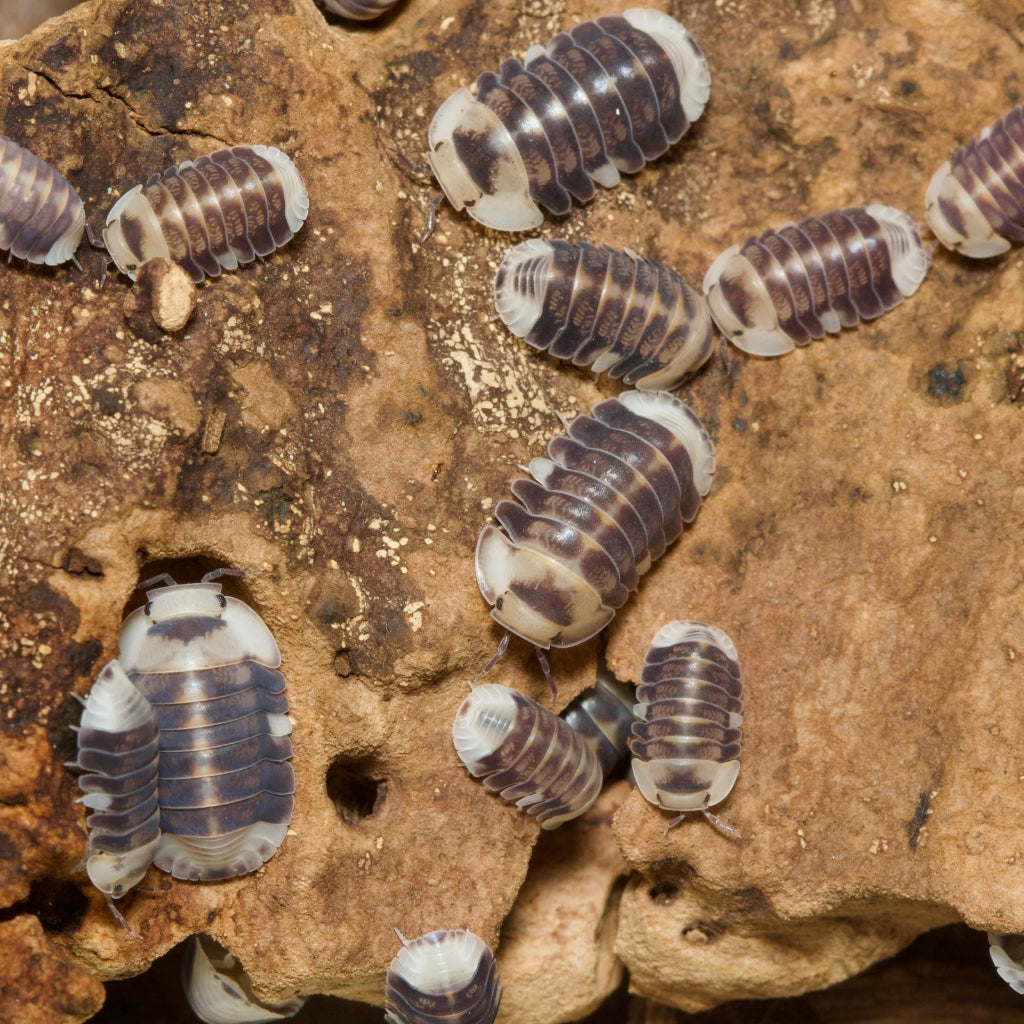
686,741
592,517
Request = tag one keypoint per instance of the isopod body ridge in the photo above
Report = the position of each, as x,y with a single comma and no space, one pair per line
209,214
600,100
791,286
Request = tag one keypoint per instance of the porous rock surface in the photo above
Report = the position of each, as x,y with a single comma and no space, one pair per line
346,415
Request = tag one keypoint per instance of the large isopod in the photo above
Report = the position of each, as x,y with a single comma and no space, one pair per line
600,100
603,715
185,742
686,741
608,500
609,310
526,754
791,286
219,989
443,977
975,201
209,214
41,216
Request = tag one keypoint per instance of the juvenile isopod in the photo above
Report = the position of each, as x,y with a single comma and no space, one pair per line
606,502
41,216
1007,952
219,989
603,715
787,287
526,754
602,99
612,311
185,742
209,214
443,977
686,740
975,201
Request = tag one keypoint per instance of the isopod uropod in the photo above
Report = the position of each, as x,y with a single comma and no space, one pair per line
185,742
1007,952
787,287
603,715
219,989
527,754
209,214
602,99
686,741
612,311
605,503
443,977
41,216
975,201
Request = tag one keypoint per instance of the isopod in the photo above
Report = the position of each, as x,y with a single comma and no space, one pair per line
686,740
443,977
612,311
1007,952
606,502
209,214
185,742
360,10
603,715
790,286
219,990
526,754
975,201
602,99
42,218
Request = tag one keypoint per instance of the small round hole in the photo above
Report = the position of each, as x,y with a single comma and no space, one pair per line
663,892
355,790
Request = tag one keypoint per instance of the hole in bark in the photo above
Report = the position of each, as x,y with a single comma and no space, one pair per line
663,892
354,791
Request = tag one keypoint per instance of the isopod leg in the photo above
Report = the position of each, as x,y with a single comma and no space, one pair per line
716,821
120,918
215,574
545,667
165,578
495,658
432,216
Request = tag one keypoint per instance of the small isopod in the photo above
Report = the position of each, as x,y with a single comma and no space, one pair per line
1007,952
606,502
526,754
602,99
975,201
612,311
42,218
209,214
443,977
360,10
219,990
686,741
790,286
185,742
603,715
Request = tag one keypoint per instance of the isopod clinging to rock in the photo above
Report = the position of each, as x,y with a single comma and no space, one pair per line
209,214
219,990
185,742
443,977
606,502
527,754
787,287
975,201
686,742
42,218
612,311
602,99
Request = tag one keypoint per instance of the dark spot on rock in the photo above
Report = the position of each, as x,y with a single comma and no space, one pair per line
80,564
740,425
81,656
945,384
107,401
787,51
663,892
412,419
916,823
907,87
